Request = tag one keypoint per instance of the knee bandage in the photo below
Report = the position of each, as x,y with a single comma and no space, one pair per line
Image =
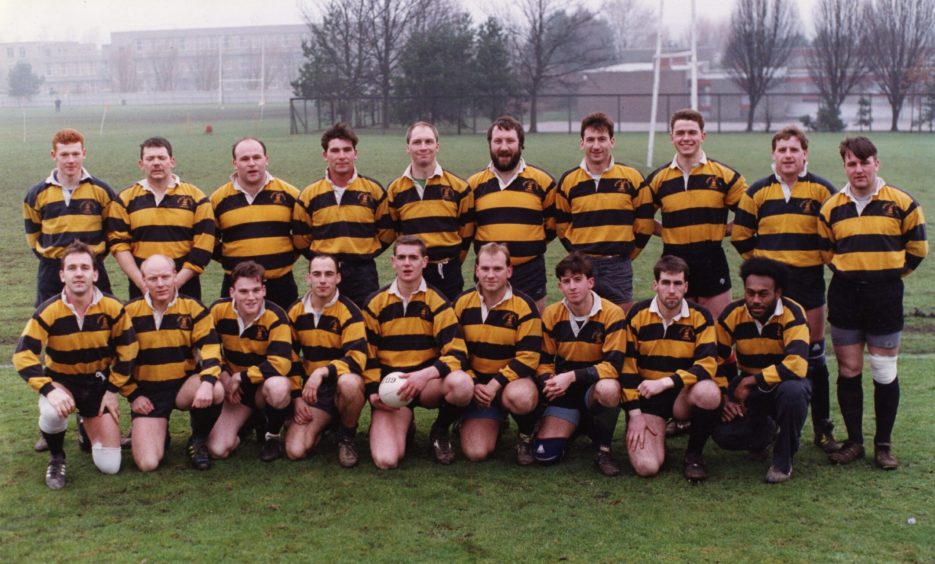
549,451
883,368
49,420
816,352
107,459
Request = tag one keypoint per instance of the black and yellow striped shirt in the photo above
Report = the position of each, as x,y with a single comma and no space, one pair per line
168,352
520,215
443,217
263,350
766,225
600,218
103,341
596,352
338,339
885,241
357,228
775,352
260,231
507,344
685,351
51,224
180,226
411,336
694,213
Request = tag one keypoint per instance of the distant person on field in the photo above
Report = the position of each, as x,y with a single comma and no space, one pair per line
253,214
873,235
162,215
778,219
344,215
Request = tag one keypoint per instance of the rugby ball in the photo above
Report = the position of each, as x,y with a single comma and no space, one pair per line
389,390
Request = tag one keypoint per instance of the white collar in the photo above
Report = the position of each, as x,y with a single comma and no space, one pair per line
484,310
702,161
175,181
779,178
239,188
149,301
408,172
584,167
654,307
349,182
394,289
595,306
307,302
244,326
776,313
53,177
850,193
96,296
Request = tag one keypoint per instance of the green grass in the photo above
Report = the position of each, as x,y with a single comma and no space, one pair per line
245,510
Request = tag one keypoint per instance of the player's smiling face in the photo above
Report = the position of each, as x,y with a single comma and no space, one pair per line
249,295
598,145
789,157
687,137
156,164
341,157
422,146
760,296
670,289
505,151
576,288
69,158
323,278
250,163
861,173
409,262
492,271
78,273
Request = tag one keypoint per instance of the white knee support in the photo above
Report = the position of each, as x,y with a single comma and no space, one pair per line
883,368
49,420
107,459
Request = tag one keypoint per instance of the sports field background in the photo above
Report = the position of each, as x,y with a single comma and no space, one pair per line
244,509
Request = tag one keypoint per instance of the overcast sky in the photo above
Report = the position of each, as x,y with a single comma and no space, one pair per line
92,21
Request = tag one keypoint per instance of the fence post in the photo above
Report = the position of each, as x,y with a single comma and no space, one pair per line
719,112
569,114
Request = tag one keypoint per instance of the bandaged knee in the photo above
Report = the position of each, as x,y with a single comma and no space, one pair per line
549,451
49,419
883,368
107,459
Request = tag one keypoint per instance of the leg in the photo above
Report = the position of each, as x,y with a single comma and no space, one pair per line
883,365
648,460
148,439
104,435
714,304
388,436
224,437
479,437
700,403
521,399
457,390
202,419
300,439
818,374
349,400
791,400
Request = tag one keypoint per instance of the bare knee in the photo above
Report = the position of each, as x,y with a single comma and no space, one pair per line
147,463
607,393
460,388
645,466
706,395
350,386
385,461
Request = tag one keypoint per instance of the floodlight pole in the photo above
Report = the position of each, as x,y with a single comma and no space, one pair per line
694,60
657,62
220,75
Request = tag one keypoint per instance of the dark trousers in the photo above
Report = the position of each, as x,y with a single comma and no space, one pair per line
359,280
445,277
281,291
49,284
785,406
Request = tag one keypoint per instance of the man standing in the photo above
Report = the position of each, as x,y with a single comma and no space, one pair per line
344,215
178,367
254,222
89,347
329,334
436,206
256,345
873,234
503,333
694,194
579,369
67,206
514,204
162,215
769,396
669,372
596,206
412,329
778,219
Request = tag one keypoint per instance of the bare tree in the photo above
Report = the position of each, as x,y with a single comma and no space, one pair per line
632,21
710,32
836,62
553,43
762,35
204,69
166,69
124,70
898,40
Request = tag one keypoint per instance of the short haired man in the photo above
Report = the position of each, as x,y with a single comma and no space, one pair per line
503,333
768,332
177,368
694,194
873,235
68,206
514,204
256,347
89,348
412,329
671,358
596,205
778,219
436,206
162,215
330,336
579,369
253,213
344,215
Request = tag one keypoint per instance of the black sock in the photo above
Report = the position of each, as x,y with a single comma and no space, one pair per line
527,423
347,432
821,391
851,402
885,402
56,442
603,423
275,418
203,421
703,421
447,414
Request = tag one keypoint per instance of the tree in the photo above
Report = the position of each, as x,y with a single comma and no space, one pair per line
124,70
762,35
204,69
633,23
836,62
553,43
899,39
496,79
23,82
166,69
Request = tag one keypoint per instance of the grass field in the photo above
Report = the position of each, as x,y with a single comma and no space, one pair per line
245,510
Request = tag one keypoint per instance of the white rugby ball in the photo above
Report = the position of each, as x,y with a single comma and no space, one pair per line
389,390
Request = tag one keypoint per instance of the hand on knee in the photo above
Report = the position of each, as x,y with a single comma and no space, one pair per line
49,419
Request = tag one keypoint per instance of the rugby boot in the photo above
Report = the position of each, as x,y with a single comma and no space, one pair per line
606,463
883,457
272,448
694,469
441,446
824,438
41,445
347,452
776,476
55,473
524,454
848,453
198,454
84,443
